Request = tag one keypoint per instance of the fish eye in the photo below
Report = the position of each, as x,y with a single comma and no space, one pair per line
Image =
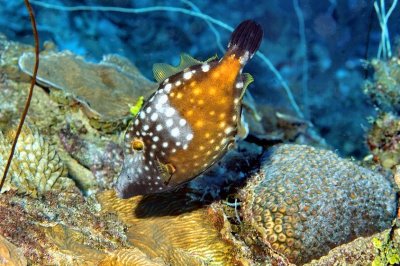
137,144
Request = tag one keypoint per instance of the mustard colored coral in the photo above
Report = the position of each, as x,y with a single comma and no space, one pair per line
36,166
169,228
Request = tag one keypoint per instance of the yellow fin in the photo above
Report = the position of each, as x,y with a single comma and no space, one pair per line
162,71
187,61
247,80
165,170
212,58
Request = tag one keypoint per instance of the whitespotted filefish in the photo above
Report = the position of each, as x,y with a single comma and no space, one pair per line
192,119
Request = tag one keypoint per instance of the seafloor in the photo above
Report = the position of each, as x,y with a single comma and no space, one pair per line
280,197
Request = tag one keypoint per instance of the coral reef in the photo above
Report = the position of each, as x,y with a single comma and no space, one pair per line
305,201
383,140
36,167
383,137
384,88
114,79
299,202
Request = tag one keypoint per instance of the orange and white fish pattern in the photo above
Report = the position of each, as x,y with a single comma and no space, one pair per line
190,122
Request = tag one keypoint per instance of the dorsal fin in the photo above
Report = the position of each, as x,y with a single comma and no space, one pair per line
247,80
212,58
162,71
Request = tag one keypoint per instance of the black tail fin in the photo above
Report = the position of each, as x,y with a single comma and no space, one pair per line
246,38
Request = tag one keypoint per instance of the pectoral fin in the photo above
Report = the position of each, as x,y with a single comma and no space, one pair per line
166,171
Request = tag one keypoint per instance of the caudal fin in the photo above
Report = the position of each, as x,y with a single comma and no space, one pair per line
246,39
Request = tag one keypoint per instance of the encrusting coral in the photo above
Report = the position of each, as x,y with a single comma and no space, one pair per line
114,79
171,228
36,167
305,201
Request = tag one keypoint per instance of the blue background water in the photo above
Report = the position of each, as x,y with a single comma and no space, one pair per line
339,35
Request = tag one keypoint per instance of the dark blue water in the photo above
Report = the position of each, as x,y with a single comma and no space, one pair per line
328,89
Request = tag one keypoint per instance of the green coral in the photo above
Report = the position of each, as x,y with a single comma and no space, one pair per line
388,253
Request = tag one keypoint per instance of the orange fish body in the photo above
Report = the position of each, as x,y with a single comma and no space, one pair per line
190,122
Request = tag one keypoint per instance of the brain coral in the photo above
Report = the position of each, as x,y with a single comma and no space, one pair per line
36,166
305,201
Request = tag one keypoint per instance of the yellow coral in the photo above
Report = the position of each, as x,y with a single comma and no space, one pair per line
36,166
166,227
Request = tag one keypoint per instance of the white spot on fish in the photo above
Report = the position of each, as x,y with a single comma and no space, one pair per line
182,122
154,117
187,75
228,130
189,136
175,132
244,58
163,99
169,122
168,88
239,85
205,67
170,112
